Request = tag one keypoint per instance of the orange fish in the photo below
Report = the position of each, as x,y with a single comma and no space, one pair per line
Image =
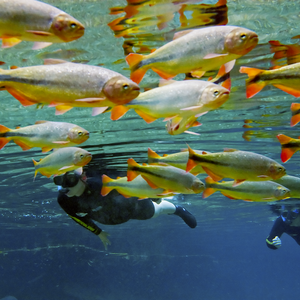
44,134
65,85
171,179
201,50
286,78
236,164
288,146
258,191
30,20
62,160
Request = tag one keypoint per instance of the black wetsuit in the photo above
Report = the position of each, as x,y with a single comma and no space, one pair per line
284,225
109,210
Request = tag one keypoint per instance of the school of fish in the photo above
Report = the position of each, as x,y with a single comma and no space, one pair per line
66,85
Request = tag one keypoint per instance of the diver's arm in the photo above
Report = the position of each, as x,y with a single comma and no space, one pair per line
273,240
70,207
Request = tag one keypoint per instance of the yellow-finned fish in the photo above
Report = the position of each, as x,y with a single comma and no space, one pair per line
292,183
44,134
31,20
258,191
138,187
288,146
181,99
67,85
178,125
295,109
62,160
169,178
178,160
286,78
236,164
195,51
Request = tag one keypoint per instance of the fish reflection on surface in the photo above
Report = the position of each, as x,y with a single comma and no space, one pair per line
143,18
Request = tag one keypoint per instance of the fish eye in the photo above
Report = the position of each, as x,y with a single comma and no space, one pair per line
80,133
81,156
125,86
243,36
73,25
216,92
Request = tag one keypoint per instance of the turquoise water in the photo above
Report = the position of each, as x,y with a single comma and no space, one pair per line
45,255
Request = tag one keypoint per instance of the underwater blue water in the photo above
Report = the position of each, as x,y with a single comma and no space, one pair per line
44,255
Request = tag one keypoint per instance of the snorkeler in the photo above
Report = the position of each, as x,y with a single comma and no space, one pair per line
79,196
288,222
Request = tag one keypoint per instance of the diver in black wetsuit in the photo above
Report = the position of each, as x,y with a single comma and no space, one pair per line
81,199
288,222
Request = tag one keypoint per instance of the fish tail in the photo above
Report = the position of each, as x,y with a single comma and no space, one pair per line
118,112
135,63
152,156
208,190
191,163
252,87
3,139
106,189
295,109
3,142
284,139
36,170
222,78
132,171
286,152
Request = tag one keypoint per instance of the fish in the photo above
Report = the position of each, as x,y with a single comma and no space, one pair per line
178,125
284,52
257,191
61,161
65,85
236,164
44,134
38,22
295,109
292,183
169,178
138,187
195,51
180,99
289,146
286,78
178,160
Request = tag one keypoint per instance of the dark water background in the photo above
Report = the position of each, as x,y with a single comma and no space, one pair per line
44,255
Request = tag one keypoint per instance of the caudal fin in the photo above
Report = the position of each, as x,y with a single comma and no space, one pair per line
118,112
284,139
134,62
152,156
286,152
132,171
252,88
3,139
106,189
295,109
191,163
208,190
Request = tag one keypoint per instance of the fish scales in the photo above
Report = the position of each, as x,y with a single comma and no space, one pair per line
183,49
36,21
64,83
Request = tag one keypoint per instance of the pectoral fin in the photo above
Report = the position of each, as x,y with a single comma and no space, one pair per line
8,42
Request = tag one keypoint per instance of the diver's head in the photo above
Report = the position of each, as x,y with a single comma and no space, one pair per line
71,183
67,180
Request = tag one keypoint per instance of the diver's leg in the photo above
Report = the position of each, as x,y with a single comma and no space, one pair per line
166,207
